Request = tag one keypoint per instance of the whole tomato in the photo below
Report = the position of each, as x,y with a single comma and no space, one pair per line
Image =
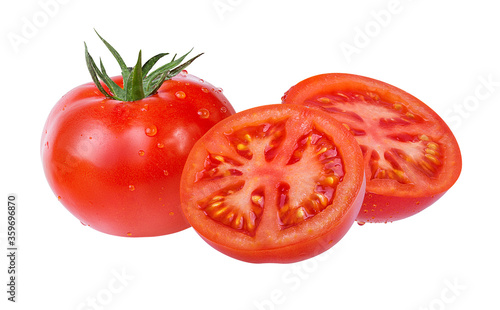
116,163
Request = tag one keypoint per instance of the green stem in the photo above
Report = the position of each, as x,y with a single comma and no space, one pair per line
138,82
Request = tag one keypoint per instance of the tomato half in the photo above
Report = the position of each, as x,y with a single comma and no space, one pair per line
411,156
273,184
116,165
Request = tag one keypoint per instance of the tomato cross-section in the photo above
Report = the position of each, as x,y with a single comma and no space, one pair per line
411,157
274,184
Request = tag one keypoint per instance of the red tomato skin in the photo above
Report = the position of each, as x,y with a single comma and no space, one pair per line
385,209
115,165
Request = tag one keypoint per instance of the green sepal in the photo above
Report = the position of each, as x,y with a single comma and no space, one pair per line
119,59
134,88
150,64
138,82
93,69
115,89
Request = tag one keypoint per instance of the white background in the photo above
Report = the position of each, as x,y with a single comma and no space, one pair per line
443,52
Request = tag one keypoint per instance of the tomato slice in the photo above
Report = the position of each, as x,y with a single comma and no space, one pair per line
411,156
273,184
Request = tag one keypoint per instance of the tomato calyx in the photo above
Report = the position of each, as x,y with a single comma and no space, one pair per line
139,81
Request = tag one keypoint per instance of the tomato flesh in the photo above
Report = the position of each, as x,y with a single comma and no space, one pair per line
411,157
273,184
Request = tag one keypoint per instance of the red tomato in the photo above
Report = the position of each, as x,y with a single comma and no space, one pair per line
273,184
116,165
411,157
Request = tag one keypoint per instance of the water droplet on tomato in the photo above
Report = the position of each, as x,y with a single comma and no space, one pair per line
160,145
131,188
180,94
361,223
83,223
141,153
223,110
219,90
184,72
145,108
129,234
171,213
59,197
205,90
165,172
47,144
203,113
151,130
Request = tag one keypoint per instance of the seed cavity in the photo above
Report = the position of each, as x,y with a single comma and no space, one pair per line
291,215
242,217
264,139
218,166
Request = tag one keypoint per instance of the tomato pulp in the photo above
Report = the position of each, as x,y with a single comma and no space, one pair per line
411,157
273,184
116,165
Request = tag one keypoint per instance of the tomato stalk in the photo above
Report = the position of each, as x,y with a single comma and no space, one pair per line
138,81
